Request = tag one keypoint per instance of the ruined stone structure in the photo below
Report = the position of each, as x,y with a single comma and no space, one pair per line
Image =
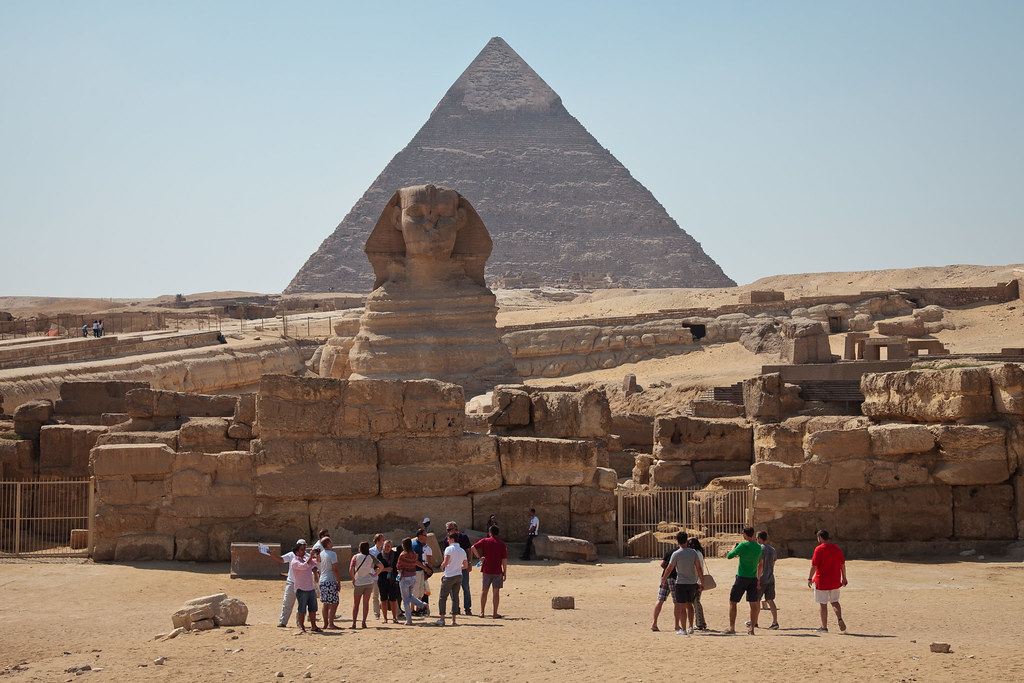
430,314
557,203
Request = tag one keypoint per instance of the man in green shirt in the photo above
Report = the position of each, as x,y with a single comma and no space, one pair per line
749,552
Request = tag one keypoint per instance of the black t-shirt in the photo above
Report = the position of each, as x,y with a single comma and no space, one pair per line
664,563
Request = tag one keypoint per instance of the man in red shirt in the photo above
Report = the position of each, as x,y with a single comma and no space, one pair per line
495,564
828,575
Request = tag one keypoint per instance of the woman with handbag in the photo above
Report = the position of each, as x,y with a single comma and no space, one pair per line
709,583
364,569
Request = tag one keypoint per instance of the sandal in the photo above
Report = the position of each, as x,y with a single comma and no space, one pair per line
654,628
842,625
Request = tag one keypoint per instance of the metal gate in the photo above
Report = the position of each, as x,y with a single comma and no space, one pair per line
46,518
645,517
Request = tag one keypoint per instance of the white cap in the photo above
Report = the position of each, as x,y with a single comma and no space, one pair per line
426,520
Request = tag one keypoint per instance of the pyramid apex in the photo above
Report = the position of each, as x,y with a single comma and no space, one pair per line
500,80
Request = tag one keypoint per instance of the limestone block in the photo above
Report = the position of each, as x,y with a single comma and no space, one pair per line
131,459
245,409
169,439
644,544
984,512
120,519
862,322
929,314
783,499
511,504
605,478
960,394
966,473
767,397
897,475
94,397
686,438
239,431
206,435
231,467
433,408
219,501
444,466
921,512
191,545
64,449
511,406
833,445
564,548
203,625
642,464
774,475
136,547
248,563
594,528
563,602
316,469
708,470
805,341
230,612
900,439
111,419
273,521
570,415
587,500
847,474
289,405
353,521
672,474
633,429
547,462
1008,388
814,475
778,442
29,417
826,498
125,490
902,327
970,442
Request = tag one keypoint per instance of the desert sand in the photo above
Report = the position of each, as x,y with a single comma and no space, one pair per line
57,616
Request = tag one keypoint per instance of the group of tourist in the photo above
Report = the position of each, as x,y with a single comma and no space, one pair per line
387,575
685,576
96,327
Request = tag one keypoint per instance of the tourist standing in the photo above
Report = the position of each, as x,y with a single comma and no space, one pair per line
378,545
330,580
463,541
363,569
766,578
749,554
408,563
288,603
494,567
665,588
531,533
454,564
698,609
421,546
305,589
689,578
828,575
387,581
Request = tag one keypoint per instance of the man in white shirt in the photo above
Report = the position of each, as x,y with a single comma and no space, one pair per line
288,603
378,545
531,533
454,563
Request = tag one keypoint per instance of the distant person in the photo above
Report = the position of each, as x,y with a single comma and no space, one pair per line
85,330
700,623
421,547
828,575
766,579
375,549
531,533
454,565
101,329
491,521
749,553
463,541
330,580
305,588
685,562
494,568
96,328
220,338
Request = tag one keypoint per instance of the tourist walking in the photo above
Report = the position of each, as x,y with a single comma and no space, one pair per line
330,580
685,562
463,541
408,563
828,575
364,569
494,567
531,533
749,554
387,581
454,564
700,624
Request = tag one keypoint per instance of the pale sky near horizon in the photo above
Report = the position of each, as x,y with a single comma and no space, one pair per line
180,147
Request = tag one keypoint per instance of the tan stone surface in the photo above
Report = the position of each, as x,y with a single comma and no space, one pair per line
416,467
929,396
684,438
547,462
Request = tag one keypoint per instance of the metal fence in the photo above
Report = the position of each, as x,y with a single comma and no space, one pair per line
645,517
46,518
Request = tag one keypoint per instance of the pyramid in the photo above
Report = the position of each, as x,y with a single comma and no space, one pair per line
559,207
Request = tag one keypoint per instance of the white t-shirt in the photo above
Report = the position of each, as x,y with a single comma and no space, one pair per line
428,555
328,558
456,556
288,557
362,568
535,525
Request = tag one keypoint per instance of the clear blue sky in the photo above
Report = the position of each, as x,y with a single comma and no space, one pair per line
156,148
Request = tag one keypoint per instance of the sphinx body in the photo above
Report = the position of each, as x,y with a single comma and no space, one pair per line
430,314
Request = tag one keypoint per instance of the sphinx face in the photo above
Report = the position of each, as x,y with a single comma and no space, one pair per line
429,220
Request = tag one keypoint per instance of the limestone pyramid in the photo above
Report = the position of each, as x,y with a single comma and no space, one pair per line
558,205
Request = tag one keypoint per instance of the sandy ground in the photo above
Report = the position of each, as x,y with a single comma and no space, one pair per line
57,616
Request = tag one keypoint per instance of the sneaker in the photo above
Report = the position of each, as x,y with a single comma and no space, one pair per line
680,632
282,625
689,631
774,627
426,611
821,630
747,624
439,622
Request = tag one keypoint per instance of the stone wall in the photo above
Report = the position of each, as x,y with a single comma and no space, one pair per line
355,457
935,458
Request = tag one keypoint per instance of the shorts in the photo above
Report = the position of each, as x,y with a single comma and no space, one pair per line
767,591
494,581
825,597
744,584
666,588
366,589
389,591
329,592
306,600
684,592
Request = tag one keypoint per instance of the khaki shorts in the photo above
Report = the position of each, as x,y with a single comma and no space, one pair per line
825,597
363,590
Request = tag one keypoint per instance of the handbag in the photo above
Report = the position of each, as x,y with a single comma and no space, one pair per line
709,582
427,572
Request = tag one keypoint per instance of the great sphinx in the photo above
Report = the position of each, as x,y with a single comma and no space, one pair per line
430,314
